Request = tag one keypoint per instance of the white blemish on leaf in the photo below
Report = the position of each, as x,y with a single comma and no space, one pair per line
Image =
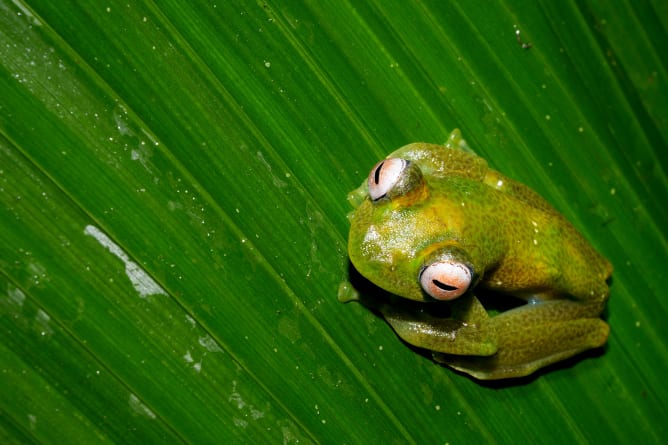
141,281
42,323
27,13
16,296
235,397
191,321
278,182
37,271
138,408
248,411
239,422
120,116
32,420
209,344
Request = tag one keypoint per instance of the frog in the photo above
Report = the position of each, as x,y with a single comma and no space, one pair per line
434,225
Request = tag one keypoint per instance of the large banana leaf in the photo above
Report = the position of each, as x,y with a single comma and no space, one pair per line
173,217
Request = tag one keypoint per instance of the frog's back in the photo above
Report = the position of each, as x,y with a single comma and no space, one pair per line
547,256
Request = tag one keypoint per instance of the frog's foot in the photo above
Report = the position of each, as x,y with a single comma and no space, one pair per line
347,292
531,337
455,140
357,196
470,333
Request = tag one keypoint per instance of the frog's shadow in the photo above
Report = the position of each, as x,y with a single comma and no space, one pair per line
373,297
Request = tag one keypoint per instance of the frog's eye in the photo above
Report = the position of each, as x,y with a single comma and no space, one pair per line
384,176
445,280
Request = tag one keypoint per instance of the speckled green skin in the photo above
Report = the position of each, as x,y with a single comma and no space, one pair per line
514,241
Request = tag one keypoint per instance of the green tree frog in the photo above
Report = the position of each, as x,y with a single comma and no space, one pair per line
433,223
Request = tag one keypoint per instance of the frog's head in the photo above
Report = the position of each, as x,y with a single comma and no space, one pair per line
398,243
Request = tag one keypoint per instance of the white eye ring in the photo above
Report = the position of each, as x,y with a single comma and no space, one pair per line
384,176
445,280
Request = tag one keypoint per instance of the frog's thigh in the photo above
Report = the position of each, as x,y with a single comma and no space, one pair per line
544,329
442,334
548,311
529,348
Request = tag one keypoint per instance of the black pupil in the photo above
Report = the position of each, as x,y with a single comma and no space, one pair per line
376,174
443,286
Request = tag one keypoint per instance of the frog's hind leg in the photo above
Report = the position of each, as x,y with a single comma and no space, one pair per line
533,336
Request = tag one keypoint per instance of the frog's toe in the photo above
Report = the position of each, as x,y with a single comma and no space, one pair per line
347,292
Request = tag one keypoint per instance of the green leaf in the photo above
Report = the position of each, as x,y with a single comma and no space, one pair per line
173,217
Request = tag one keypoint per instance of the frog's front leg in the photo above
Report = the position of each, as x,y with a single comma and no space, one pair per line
467,332
533,336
